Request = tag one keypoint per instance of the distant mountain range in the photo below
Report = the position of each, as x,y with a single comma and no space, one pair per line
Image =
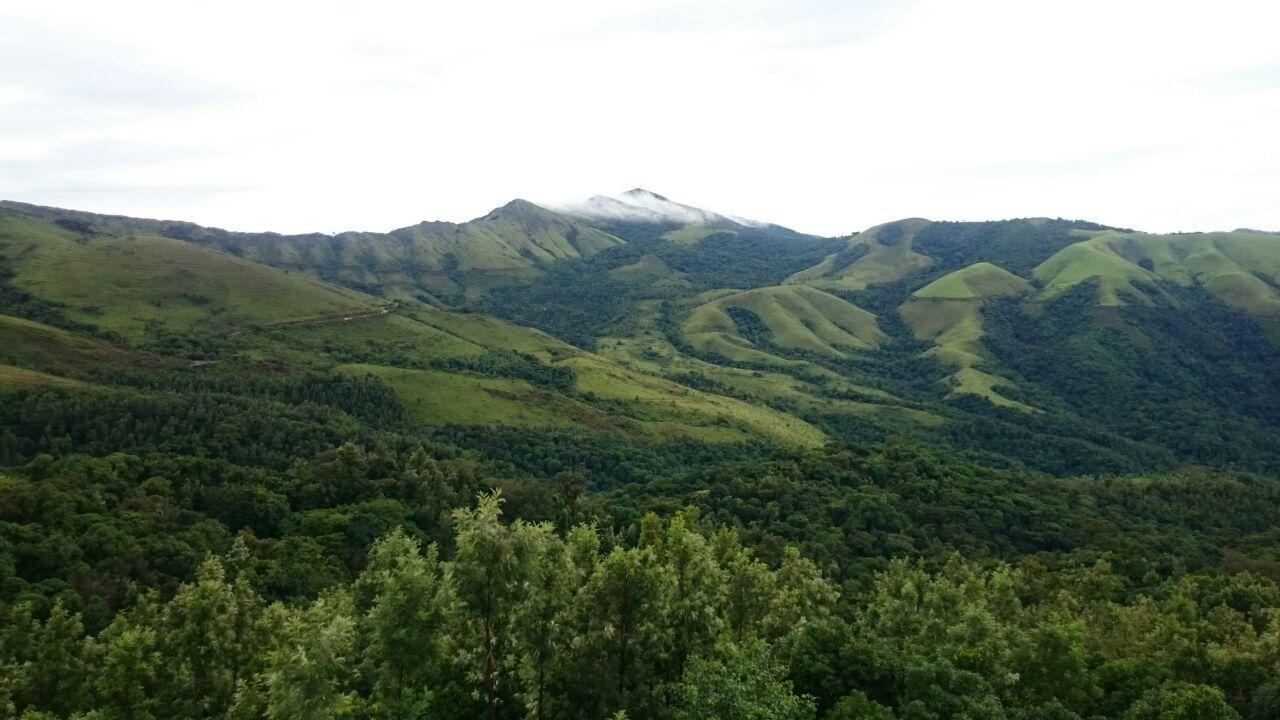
1058,345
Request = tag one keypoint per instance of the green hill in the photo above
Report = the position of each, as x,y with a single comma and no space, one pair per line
796,318
127,284
973,335
975,282
449,368
1240,268
948,313
434,260
881,254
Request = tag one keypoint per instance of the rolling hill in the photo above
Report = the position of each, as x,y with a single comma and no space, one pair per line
430,261
745,324
1059,345
239,317
948,313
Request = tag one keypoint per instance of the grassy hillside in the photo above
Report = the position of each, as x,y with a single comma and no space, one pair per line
447,367
881,254
432,261
948,313
473,369
934,330
128,284
797,318
977,281
1242,269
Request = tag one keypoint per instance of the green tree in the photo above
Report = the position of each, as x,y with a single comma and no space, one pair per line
56,677
1182,701
129,671
407,602
743,681
308,677
204,644
492,567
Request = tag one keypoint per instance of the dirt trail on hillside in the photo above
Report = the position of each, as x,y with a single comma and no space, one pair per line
324,319
335,318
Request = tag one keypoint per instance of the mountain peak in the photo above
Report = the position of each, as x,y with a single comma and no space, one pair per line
639,192
640,205
517,209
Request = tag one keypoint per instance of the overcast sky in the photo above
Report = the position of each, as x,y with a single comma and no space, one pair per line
822,115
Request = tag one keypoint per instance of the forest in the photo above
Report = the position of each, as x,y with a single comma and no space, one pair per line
191,572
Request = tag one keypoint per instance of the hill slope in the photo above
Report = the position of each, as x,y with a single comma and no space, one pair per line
242,318
948,313
796,318
431,261
127,283
1063,345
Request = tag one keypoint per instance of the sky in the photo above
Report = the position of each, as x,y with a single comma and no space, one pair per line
824,116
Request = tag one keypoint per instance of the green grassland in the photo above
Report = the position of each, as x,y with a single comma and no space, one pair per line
19,377
977,281
798,387
127,284
1241,269
262,317
431,259
650,352
648,269
795,317
397,345
440,398
948,313
687,333
31,344
692,234
888,256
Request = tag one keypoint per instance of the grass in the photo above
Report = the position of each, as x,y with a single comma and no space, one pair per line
796,317
678,407
948,313
883,262
125,284
17,377
648,351
691,234
34,345
439,398
977,281
652,405
1241,269
649,268
507,245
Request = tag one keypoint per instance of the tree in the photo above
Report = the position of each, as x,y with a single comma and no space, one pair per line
203,644
539,639
308,676
492,566
742,681
407,602
129,671
1182,701
857,706
57,673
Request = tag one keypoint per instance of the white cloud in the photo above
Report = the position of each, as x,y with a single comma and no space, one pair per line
825,116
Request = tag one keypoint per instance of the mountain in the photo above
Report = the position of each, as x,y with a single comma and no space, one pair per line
1064,346
642,206
434,262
